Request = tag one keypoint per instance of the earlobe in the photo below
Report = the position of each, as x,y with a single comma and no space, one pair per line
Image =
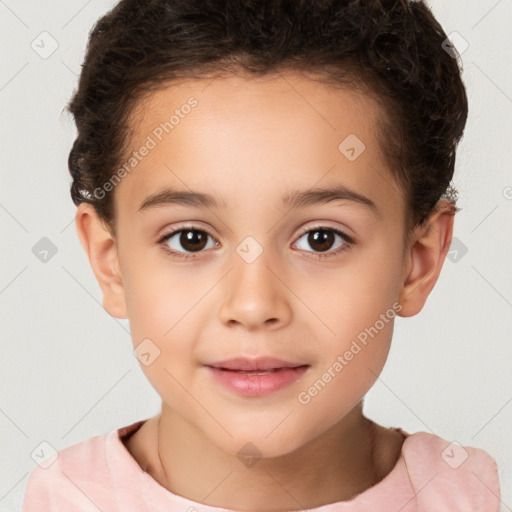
425,258
100,247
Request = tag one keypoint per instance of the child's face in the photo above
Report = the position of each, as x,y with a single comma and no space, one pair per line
249,144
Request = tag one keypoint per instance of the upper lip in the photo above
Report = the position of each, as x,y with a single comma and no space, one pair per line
258,363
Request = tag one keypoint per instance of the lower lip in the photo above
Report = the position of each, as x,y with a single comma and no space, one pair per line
257,385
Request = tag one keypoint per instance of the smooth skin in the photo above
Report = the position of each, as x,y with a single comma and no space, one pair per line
250,142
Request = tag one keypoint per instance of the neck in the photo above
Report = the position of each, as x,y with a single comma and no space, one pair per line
192,466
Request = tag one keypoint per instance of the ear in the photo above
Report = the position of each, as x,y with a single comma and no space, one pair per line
101,249
425,256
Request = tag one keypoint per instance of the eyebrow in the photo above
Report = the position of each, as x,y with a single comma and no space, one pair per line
295,199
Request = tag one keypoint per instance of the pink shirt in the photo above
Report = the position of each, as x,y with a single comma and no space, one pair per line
431,475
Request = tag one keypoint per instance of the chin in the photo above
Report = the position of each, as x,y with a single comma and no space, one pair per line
251,445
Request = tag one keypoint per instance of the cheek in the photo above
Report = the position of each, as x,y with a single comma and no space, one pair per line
161,321
344,301
349,367
355,310
165,306
160,296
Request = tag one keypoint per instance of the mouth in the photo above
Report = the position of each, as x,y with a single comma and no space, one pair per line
259,377
260,372
263,365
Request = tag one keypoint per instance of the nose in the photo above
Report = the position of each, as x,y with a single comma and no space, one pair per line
255,296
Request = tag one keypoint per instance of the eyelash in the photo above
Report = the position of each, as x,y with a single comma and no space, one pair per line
349,241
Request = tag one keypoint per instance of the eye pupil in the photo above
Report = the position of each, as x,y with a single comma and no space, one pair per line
324,240
190,239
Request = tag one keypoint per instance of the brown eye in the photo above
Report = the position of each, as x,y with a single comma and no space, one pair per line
322,239
193,240
186,240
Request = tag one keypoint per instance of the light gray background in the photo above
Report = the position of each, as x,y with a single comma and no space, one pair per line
67,368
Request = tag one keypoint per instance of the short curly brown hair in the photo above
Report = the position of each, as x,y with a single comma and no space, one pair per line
393,49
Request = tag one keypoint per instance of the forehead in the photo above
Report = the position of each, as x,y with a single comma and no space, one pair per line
276,97
281,129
